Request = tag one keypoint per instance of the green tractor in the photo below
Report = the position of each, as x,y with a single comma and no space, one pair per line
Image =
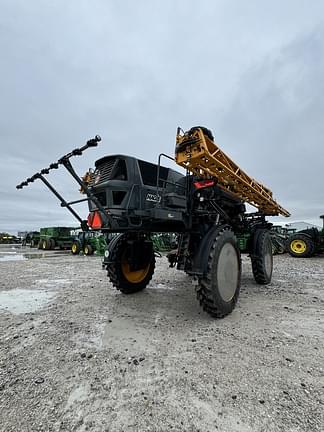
306,243
55,237
279,236
89,242
165,242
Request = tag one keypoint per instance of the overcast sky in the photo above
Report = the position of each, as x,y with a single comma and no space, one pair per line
132,71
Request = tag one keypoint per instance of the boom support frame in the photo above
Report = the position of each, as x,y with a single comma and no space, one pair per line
198,153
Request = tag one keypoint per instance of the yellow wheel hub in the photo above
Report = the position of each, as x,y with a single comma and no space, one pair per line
74,248
298,246
134,276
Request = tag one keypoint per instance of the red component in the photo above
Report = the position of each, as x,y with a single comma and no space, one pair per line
94,220
89,219
204,183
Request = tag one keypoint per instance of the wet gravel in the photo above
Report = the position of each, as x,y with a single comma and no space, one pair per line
76,355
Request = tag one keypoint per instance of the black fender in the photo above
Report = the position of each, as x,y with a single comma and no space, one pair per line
109,248
200,260
312,233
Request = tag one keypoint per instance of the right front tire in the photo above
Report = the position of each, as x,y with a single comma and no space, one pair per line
219,288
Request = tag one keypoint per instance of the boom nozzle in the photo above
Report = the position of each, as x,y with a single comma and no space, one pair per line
94,141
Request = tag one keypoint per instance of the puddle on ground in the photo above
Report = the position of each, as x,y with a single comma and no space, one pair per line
46,255
19,301
12,257
52,283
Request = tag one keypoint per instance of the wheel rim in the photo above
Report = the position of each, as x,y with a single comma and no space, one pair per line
44,244
134,276
74,248
298,246
227,272
86,250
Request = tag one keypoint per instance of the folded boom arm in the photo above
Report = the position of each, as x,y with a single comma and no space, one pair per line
65,161
197,152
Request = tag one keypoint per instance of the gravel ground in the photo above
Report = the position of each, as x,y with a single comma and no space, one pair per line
76,355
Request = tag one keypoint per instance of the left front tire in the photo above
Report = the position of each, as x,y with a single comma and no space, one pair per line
120,270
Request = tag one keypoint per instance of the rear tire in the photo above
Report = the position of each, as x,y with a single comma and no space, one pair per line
261,257
219,290
88,250
119,273
45,244
300,246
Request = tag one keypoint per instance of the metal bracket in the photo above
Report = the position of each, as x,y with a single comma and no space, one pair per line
65,161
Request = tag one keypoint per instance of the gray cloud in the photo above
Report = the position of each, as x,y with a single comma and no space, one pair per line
277,117
134,71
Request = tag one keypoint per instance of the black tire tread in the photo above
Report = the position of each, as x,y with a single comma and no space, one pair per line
310,246
257,259
90,249
46,244
76,242
204,292
114,273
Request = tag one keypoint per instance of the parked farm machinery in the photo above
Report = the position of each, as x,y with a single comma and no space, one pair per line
90,242
279,236
306,243
55,237
6,238
31,238
204,207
